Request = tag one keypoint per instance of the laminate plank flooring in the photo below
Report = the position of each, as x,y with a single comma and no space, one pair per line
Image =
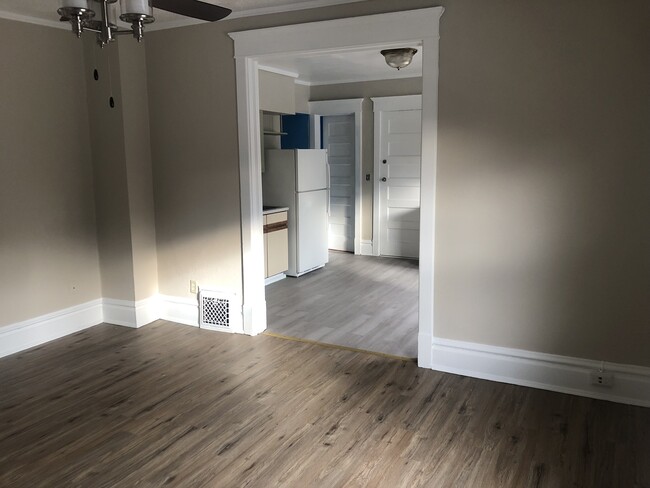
176,406
364,302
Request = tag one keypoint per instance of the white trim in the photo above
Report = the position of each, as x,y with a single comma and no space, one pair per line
250,181
428,186
119,312
38,330
336,107
362,79
355,79
344,107
392,104
4,14
539,370
380,105
179,309
131,314
274,279
278,71
366,248
408,27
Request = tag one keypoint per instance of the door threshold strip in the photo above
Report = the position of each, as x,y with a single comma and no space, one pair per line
336,346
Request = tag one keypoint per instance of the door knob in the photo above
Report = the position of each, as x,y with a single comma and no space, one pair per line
383,179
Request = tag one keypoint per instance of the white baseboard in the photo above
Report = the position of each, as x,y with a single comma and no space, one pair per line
119,312
33,332
539,370
179,309
273,279
131,314
29,333
366,248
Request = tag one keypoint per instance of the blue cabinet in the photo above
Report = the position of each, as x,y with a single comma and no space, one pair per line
296,128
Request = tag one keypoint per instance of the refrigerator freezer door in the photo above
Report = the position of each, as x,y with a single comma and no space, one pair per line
311,169
312,230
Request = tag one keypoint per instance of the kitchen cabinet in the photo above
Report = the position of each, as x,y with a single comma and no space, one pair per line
276,242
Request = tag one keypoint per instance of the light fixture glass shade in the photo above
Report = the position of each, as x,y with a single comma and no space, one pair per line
73,4
399,58
137,7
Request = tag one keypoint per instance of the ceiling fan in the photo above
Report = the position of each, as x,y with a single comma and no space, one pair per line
81,14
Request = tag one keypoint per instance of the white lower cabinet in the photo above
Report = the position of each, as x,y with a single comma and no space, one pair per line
276,244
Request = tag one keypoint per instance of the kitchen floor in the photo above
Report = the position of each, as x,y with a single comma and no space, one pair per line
363,302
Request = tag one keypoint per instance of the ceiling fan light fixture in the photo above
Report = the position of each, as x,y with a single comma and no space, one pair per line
137,13
81,13
399,58
76,12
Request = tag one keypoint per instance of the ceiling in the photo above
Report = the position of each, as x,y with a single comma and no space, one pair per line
351,66
44,11
311,69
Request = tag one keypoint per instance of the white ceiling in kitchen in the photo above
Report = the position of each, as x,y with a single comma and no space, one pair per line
352,66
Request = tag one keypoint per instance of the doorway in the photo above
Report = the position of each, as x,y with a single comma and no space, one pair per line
377,31
338,140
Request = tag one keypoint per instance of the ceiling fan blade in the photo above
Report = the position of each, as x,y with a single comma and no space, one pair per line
193,8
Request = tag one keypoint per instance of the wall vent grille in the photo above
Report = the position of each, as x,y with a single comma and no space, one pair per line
219,311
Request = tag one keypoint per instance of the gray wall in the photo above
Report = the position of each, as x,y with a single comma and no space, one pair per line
192,103
48,246
137,151
122,167
384,88
543,240
109,169
542,235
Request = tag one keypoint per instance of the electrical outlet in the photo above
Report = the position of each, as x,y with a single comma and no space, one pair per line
192,286
602,378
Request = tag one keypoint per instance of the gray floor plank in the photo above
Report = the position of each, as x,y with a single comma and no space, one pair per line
364,302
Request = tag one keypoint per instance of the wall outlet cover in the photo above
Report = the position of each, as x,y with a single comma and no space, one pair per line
602,378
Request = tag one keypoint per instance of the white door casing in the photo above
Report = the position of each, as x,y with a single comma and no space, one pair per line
398,139
420,27
338,140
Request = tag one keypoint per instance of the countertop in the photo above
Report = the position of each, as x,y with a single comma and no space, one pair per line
271,210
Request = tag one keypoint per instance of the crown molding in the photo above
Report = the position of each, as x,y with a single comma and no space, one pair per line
278,71
4,14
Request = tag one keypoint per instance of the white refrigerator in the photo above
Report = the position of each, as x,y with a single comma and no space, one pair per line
299,179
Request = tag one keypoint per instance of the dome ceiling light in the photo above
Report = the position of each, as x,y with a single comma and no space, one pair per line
399,58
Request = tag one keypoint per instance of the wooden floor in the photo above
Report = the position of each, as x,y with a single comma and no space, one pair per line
364,302
171,405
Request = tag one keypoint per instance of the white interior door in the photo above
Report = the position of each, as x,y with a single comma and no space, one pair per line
399,182
338,139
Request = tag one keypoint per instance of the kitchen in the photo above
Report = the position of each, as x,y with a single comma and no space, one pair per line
339,292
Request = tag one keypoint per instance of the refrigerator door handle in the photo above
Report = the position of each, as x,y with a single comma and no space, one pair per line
329,183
